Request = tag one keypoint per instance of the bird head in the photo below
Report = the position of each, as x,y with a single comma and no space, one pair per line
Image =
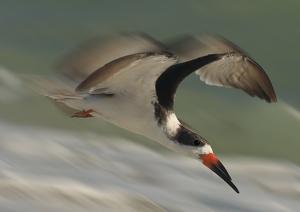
184,140
194,146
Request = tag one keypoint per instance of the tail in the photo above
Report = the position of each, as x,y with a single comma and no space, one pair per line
70,104
63,98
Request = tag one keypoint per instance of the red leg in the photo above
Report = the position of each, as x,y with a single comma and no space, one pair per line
83,114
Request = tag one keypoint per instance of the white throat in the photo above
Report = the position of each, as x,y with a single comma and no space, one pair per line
172,125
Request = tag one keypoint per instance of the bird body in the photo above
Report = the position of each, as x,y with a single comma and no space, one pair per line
137,93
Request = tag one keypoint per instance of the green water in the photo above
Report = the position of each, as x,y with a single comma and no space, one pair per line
34,34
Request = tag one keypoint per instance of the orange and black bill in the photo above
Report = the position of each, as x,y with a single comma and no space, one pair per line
212,162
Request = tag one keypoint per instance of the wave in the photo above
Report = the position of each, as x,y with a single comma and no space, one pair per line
50,170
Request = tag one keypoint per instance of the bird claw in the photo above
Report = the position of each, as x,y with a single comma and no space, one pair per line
83,114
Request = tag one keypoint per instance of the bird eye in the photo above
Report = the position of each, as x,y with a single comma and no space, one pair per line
198,143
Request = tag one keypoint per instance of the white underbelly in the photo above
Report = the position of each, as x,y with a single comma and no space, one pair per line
122,111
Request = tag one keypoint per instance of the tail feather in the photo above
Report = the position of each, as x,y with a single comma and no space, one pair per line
61,98
70,104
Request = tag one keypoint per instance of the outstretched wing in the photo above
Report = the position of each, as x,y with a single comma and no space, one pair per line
190,47
241,72
83,60
132,74
227,70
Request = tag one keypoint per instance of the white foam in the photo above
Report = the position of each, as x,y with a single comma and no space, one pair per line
46,170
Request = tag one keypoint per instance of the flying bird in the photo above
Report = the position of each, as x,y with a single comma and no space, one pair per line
137,92
77,64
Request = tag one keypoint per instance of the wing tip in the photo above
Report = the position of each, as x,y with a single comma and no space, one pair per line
269,91
268,96
274,98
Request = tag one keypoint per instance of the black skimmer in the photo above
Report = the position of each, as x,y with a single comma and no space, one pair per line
137,92
79,63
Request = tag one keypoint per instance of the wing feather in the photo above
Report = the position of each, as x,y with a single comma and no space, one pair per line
238,71
128,73
231,70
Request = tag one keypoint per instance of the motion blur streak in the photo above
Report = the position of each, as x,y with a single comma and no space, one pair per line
292,110
67,171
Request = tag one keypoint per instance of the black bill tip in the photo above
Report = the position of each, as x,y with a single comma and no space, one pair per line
221,172
212,162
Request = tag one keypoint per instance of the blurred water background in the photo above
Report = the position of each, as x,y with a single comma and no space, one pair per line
52,162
